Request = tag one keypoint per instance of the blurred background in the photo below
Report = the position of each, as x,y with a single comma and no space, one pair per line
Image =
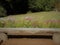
12,7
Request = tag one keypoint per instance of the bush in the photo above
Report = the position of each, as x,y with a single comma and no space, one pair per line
41,5
2,11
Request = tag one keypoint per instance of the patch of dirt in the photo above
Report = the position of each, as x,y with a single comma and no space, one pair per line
28,41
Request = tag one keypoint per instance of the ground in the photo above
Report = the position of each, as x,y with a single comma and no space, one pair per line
25,41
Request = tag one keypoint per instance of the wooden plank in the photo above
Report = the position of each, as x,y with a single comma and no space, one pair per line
30,31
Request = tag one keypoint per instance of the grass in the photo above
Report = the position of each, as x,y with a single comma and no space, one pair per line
32,20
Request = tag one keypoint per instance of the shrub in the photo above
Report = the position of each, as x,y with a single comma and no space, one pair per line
2,11
41,5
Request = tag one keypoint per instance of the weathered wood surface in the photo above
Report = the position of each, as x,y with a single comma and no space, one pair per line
30,31
55,32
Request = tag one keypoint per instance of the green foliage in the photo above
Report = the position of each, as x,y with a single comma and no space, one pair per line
2,11
23,6
33,20
41,5
1,25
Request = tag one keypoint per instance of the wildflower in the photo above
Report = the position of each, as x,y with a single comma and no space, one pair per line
28,18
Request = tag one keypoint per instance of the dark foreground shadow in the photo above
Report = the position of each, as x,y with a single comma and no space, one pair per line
31,36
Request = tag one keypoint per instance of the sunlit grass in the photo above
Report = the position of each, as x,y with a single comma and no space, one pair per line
32,20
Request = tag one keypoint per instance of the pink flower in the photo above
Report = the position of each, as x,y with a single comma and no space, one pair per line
28,18
52,21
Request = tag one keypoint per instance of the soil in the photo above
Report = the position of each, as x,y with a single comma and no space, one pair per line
28,41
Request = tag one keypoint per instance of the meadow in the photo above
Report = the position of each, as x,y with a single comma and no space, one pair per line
32,20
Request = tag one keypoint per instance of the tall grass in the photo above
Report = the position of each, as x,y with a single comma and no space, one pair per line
31,24
35,20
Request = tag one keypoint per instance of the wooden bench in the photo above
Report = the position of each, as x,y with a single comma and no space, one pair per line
54,32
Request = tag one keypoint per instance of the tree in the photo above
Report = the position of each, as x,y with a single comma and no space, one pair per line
19,6
57,5
6,5
41,5
15,6
2,11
